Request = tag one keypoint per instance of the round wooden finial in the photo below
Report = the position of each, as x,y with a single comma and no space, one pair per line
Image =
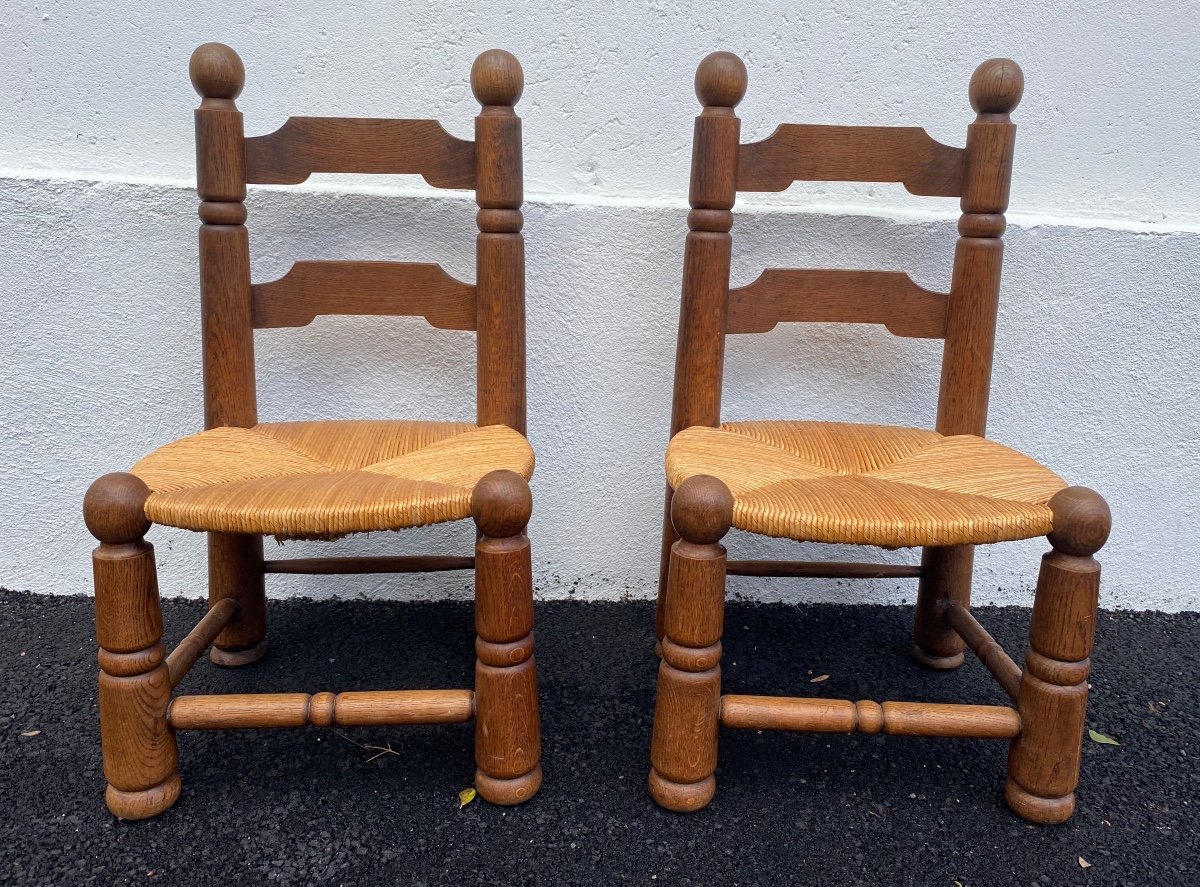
217,71
114,508
1082,521
501,504
996,86
702,509
721,80
497,78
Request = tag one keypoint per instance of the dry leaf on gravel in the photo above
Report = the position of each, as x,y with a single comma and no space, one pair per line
465,797
1101,738
819,678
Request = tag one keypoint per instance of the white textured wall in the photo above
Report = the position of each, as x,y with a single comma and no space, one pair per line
1096,369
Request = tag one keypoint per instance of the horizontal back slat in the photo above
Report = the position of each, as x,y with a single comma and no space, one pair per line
805,152
305,145
375,288
837,296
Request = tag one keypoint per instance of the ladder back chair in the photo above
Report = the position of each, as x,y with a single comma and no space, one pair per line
944,490
240,479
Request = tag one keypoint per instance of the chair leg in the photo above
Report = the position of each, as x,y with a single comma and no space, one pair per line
508,745
1043,761
140,757
669,538
945,578
683,752
235,571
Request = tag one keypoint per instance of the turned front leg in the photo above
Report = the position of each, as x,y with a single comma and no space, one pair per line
687,707
1043,761
135,688
507,725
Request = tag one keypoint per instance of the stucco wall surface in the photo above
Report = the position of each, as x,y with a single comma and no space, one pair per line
1096,363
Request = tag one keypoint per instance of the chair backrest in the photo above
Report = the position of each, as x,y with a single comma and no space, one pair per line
233,307
965,318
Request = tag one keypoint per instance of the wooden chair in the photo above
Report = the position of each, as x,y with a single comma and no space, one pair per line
241,479
945,490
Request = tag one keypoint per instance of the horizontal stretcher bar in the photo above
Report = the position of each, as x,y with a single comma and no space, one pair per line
1006,672
355,709
823,569
894,718
346,565
192,647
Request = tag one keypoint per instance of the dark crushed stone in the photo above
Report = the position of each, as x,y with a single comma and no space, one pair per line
304,806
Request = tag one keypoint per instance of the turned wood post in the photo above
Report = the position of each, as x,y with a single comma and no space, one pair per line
507,724
683,753
497,81
1043,761
135,687
700,348
995,90
227,330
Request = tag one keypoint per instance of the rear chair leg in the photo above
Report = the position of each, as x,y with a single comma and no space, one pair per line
135,689
507,726
683,752
1043,761
945,578
235,571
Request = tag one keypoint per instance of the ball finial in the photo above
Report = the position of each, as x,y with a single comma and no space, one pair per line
114,508
996,86
1082,521
702,509
497,78
217,71
721,80
501,504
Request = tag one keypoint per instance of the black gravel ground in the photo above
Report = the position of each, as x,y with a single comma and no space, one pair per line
307,806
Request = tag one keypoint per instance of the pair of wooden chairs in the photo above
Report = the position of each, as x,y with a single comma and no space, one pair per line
944,490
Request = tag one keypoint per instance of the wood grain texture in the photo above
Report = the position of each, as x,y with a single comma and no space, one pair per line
683,750
235,572
138,746
408,289
307,145
507,718
893,718
890,298
815,153
1043,762
353,709
700,342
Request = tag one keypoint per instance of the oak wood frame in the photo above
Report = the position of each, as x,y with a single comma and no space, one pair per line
138,714
1045,727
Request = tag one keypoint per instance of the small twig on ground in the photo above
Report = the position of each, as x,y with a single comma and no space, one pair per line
379,750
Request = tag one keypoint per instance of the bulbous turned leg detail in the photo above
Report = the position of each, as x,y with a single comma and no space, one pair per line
1043,761
945,579
140,757
683,752
507,722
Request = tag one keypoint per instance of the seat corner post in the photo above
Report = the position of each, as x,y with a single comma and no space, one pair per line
683,754
1044,760
138,744
507,721
235,570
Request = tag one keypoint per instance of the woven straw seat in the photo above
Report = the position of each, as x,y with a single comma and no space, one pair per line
868,484
326,479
